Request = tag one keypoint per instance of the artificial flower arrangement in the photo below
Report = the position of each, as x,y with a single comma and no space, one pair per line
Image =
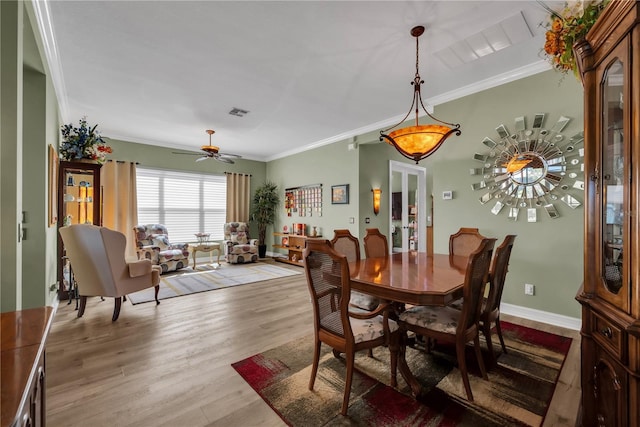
83,142
568,26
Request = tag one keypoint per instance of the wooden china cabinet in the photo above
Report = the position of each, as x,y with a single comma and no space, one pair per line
609,64
79,202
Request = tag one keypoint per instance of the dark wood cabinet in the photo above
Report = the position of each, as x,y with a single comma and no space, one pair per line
79,202
608,60
24,336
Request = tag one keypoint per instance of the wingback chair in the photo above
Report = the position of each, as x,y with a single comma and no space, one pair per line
152,242
238,246
99,267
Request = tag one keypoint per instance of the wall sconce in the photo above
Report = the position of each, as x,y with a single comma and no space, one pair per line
376,200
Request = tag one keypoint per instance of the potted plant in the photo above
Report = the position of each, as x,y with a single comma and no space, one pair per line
263,212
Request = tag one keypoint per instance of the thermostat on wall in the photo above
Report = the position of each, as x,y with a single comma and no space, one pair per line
447,195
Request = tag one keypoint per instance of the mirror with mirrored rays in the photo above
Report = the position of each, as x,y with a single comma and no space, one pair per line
530,168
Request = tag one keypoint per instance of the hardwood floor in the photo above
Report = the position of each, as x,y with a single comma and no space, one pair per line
170,365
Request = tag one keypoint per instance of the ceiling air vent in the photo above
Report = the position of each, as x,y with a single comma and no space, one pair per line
238,112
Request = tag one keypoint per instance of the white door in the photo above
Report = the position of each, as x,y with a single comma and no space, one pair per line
407,205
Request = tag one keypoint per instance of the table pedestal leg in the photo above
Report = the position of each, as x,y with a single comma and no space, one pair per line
194,259
406,373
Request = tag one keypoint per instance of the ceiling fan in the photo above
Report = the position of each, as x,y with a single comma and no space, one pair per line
213,152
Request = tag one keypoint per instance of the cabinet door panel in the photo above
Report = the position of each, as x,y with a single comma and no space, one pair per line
614,178
610,391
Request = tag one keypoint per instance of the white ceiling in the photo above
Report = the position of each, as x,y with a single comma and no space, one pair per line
308,72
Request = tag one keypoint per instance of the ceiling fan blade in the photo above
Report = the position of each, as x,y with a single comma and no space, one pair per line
224,159
199,159
235,156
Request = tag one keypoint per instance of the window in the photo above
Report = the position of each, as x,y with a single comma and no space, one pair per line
185,202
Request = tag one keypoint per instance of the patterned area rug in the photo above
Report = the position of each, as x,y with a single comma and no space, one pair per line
208,277
518,392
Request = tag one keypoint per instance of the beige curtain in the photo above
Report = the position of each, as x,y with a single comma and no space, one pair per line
238,197
119,201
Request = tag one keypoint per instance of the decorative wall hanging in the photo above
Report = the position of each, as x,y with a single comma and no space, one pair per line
532,168
303,201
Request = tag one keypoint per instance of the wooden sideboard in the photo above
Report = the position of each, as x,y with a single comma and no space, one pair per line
24,334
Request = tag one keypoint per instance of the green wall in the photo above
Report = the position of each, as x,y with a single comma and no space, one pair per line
29,123
547,253
328,165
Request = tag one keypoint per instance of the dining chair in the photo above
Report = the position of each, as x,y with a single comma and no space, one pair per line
375,243
490,313
335,325
447,324
464,241
348,245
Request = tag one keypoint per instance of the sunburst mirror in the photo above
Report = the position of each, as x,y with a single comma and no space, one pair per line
532,168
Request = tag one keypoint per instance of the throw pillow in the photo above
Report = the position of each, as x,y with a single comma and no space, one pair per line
161,241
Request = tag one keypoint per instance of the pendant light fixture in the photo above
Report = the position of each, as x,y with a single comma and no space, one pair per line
420,141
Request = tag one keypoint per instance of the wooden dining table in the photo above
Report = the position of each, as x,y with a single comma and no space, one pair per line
410,278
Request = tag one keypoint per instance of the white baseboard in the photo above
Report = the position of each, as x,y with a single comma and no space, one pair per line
541,316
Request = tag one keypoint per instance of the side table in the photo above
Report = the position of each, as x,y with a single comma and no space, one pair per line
204,247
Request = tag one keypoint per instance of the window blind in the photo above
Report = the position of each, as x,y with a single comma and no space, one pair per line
185,202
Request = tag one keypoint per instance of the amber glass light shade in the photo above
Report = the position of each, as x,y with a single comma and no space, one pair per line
376,200
418,142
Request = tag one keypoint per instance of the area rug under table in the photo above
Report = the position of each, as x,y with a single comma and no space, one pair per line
207,277
518,392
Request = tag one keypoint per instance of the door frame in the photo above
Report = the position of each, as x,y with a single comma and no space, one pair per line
406,169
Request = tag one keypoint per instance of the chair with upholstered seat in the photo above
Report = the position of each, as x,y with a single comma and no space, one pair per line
239,247
375,243
152,242
348,245
446,324
96,255
491,304
335,325
464,241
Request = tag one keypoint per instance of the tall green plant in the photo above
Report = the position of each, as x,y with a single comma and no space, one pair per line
263,208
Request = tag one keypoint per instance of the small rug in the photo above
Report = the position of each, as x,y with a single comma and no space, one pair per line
518,392
207,277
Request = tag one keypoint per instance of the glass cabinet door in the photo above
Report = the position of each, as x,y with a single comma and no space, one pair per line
614,188
79,202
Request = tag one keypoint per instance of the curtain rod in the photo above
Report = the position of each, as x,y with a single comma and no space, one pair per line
237,173
121,161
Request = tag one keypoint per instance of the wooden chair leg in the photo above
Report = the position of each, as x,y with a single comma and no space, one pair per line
370,352
476,346
462,366
486,331
314,368
83,305
116,309
499,332
350,357
157,290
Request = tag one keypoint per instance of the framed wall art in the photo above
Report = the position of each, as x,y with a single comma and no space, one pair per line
340,194
53,186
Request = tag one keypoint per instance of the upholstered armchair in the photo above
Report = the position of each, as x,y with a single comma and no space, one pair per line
152,242
238,246
99,267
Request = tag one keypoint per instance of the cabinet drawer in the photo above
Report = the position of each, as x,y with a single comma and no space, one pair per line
609,335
